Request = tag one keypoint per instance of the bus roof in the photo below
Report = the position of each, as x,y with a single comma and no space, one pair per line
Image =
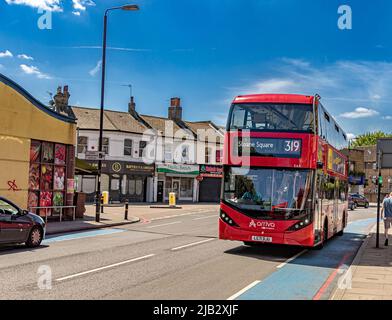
275,98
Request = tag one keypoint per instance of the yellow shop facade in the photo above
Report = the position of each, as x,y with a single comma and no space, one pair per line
37,150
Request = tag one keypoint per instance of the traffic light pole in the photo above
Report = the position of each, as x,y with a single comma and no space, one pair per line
378,208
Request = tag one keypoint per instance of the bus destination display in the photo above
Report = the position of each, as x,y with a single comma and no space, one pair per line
269,147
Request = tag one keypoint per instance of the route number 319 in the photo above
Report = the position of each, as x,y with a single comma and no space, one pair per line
292,145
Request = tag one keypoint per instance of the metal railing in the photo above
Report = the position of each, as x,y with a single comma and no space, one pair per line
56,208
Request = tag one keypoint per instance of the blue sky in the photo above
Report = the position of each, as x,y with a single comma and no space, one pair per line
206,52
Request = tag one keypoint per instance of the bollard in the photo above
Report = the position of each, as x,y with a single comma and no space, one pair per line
101,204
126,210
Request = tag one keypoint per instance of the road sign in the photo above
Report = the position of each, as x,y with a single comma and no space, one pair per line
95,155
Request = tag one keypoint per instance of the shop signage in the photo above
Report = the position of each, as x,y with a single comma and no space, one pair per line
70,185
178,168
123,167
356,180
211,171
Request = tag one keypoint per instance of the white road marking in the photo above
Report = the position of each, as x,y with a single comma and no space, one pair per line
291,259
236,295
191,244
206,217
164,224
106,267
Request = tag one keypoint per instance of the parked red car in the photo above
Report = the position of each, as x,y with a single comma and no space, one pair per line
19,226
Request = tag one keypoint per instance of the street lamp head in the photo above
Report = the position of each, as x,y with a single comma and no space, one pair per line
130,7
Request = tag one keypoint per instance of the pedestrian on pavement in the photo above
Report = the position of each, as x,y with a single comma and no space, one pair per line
386,213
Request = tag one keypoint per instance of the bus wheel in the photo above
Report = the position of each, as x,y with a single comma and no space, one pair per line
325,236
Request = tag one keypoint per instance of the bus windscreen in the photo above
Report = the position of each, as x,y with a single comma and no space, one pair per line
272,117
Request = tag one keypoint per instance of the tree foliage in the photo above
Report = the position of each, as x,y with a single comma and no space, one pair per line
369,138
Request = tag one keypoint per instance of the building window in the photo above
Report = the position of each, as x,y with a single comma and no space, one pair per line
105,145
128,147
186,188
142,146
218,156
82,144
208,155
169,153
185,154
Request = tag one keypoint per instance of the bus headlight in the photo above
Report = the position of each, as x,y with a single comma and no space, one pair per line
299,225
227,219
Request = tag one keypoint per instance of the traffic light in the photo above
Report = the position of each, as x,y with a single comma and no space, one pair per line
380,180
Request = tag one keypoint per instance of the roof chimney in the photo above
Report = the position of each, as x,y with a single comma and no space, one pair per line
175,109
132,106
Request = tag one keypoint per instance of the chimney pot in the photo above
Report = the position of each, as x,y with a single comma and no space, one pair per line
175,109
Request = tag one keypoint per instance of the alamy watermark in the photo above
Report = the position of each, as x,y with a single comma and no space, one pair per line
345,20
44,22
44,281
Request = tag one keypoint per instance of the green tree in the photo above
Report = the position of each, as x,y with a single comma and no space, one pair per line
369,138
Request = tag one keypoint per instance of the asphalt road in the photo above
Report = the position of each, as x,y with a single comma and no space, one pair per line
175,258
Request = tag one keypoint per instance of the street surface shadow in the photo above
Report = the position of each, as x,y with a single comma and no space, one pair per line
16,248
269,252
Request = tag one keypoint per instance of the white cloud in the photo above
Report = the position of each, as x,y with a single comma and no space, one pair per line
95,70
387,117
25,57
81,5
351,136
6,54
49,5
360,113
274,85
34,71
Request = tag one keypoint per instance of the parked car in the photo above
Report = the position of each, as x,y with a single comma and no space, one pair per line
20,226
351,204
359,200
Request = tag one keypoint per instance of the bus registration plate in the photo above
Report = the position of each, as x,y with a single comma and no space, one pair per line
262,239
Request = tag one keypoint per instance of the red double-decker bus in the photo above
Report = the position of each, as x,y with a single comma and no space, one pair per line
285,178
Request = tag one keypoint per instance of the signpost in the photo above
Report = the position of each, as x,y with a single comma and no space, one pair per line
94,155
384,161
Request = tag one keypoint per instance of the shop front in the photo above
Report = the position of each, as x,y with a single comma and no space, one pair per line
37,154
210,183
177,178
132,181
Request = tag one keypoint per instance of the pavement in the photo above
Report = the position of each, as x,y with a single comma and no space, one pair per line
370,276
113,216
175,257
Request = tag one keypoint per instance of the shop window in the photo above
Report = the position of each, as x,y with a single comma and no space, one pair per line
142,146
168,186
82,144
115,185
88,185
186,188
128,147
132,186
124,187
105,145
104,182
139,187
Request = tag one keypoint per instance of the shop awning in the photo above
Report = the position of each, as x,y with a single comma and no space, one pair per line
84,168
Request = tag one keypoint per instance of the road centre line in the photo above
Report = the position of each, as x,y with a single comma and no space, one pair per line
291,259
164,224
234,296
191,244
105,267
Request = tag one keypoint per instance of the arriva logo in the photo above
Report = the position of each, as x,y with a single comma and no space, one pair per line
262,224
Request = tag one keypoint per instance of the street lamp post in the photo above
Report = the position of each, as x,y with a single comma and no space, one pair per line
128,7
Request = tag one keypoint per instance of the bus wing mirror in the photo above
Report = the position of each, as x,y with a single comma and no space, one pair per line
320,165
